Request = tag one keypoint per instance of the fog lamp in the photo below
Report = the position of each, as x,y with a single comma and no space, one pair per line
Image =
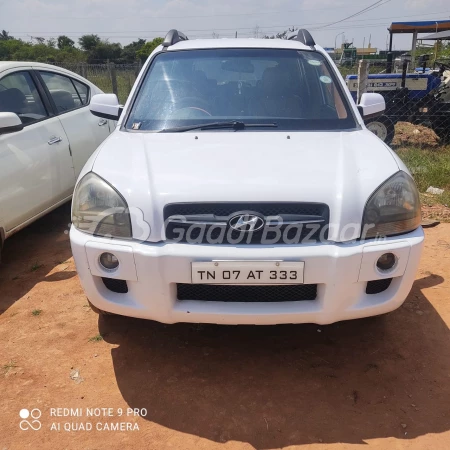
108,261
386,262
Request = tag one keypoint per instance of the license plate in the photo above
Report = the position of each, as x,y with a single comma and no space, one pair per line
247,272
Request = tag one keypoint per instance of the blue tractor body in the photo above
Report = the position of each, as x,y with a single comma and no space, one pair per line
418,85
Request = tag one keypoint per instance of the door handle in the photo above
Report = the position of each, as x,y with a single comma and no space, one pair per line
54,140
102,122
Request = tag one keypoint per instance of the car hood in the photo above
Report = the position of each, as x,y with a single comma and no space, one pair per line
341,169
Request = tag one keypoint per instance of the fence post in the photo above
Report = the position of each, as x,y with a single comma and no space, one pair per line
83,70
113,75
130,83
363,76
138,68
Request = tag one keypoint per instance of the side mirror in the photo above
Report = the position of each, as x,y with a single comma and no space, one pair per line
106,106
10,122
371,105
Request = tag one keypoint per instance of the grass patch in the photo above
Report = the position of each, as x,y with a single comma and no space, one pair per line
97,338
36,312
125,81
431,200
429,168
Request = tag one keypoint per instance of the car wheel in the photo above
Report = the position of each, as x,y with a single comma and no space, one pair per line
383,127
99,311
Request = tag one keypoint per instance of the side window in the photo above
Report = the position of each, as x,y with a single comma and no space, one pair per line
63,91
19,94
83,91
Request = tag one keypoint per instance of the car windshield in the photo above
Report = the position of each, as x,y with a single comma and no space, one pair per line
289,89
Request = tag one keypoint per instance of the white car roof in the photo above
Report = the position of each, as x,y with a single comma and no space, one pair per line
6,65
238,43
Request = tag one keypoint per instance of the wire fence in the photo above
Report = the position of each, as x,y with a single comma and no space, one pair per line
110,77
420,97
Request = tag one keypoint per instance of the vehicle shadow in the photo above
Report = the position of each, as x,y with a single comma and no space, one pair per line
275,386
31,255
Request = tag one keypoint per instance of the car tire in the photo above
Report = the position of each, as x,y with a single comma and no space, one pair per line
383,127
99,311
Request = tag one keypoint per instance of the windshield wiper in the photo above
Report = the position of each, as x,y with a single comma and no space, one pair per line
235,124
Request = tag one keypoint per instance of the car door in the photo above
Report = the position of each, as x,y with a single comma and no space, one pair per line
71,100
36,169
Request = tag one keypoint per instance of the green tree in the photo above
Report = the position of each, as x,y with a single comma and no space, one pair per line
146,49
18,50
8,47
88,42
104,51
65,42
4,36
129,52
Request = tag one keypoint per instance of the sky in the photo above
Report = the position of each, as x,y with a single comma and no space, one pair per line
127,20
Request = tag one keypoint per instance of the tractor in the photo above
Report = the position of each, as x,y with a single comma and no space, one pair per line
422,97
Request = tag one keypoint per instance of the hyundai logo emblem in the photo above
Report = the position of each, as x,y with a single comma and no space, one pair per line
246,222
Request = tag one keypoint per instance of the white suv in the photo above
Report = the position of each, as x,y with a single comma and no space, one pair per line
242,187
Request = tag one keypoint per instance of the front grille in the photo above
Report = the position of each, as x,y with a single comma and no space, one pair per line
208,223
247,294
114,285
226,208
377,286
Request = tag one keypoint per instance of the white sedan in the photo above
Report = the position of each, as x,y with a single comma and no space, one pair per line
47,134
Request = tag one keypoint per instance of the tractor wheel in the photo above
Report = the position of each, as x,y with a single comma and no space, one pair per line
443,134
383,127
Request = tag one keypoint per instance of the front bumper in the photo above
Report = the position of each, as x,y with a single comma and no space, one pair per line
341,272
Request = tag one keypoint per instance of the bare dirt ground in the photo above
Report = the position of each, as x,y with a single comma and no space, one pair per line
432,210
408,134
383,382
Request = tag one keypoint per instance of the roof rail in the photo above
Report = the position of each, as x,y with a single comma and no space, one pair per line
172,37
304,36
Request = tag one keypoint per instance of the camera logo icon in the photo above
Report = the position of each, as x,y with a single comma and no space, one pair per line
30,419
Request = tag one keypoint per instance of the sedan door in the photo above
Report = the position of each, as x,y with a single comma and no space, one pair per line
36,170
71,100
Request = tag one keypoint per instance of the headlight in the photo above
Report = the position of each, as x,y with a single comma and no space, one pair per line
394,208
98,209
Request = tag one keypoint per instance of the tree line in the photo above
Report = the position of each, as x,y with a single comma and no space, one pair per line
89,48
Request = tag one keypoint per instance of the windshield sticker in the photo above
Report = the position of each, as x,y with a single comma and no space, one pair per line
136,125
314,62
325,79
